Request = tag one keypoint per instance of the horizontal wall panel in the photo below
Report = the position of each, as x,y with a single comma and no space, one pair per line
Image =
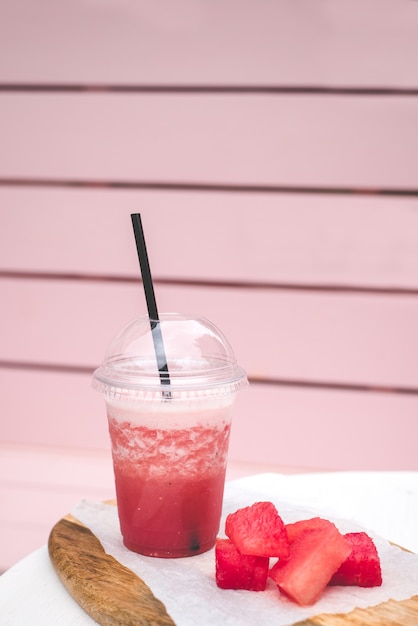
326,42
38,486
18,542
65,469
52,409
281,426
39,498
320,141
326,430
306,336
264,238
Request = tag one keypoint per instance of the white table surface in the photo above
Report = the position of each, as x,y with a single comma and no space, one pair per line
384,502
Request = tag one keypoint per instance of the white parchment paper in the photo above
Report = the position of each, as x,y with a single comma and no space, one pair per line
188,589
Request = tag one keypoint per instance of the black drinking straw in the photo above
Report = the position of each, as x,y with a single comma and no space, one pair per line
151,302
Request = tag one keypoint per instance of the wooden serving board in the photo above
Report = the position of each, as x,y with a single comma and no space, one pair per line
113,595
107,590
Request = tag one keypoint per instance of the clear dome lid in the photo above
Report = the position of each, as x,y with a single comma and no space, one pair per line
199,360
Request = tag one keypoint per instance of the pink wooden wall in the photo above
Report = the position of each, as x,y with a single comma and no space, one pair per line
271,148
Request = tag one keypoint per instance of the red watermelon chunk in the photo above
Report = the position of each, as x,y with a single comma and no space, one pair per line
314,523
239,571
258,530
314,557
362,566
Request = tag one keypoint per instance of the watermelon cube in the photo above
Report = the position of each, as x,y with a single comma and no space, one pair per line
296,528
314,557
362,566
258,530
239,571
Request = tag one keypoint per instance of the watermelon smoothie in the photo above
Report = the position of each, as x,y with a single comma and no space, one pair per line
169,464
170,435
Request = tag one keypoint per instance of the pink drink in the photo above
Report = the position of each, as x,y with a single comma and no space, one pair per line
169,473
169,437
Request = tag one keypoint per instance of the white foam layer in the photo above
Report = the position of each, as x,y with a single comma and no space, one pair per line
174,413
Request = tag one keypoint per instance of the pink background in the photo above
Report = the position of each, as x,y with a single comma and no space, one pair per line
271,148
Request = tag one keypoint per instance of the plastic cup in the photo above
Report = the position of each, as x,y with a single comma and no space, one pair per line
170,441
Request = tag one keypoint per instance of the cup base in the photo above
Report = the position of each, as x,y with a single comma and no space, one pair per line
168,553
